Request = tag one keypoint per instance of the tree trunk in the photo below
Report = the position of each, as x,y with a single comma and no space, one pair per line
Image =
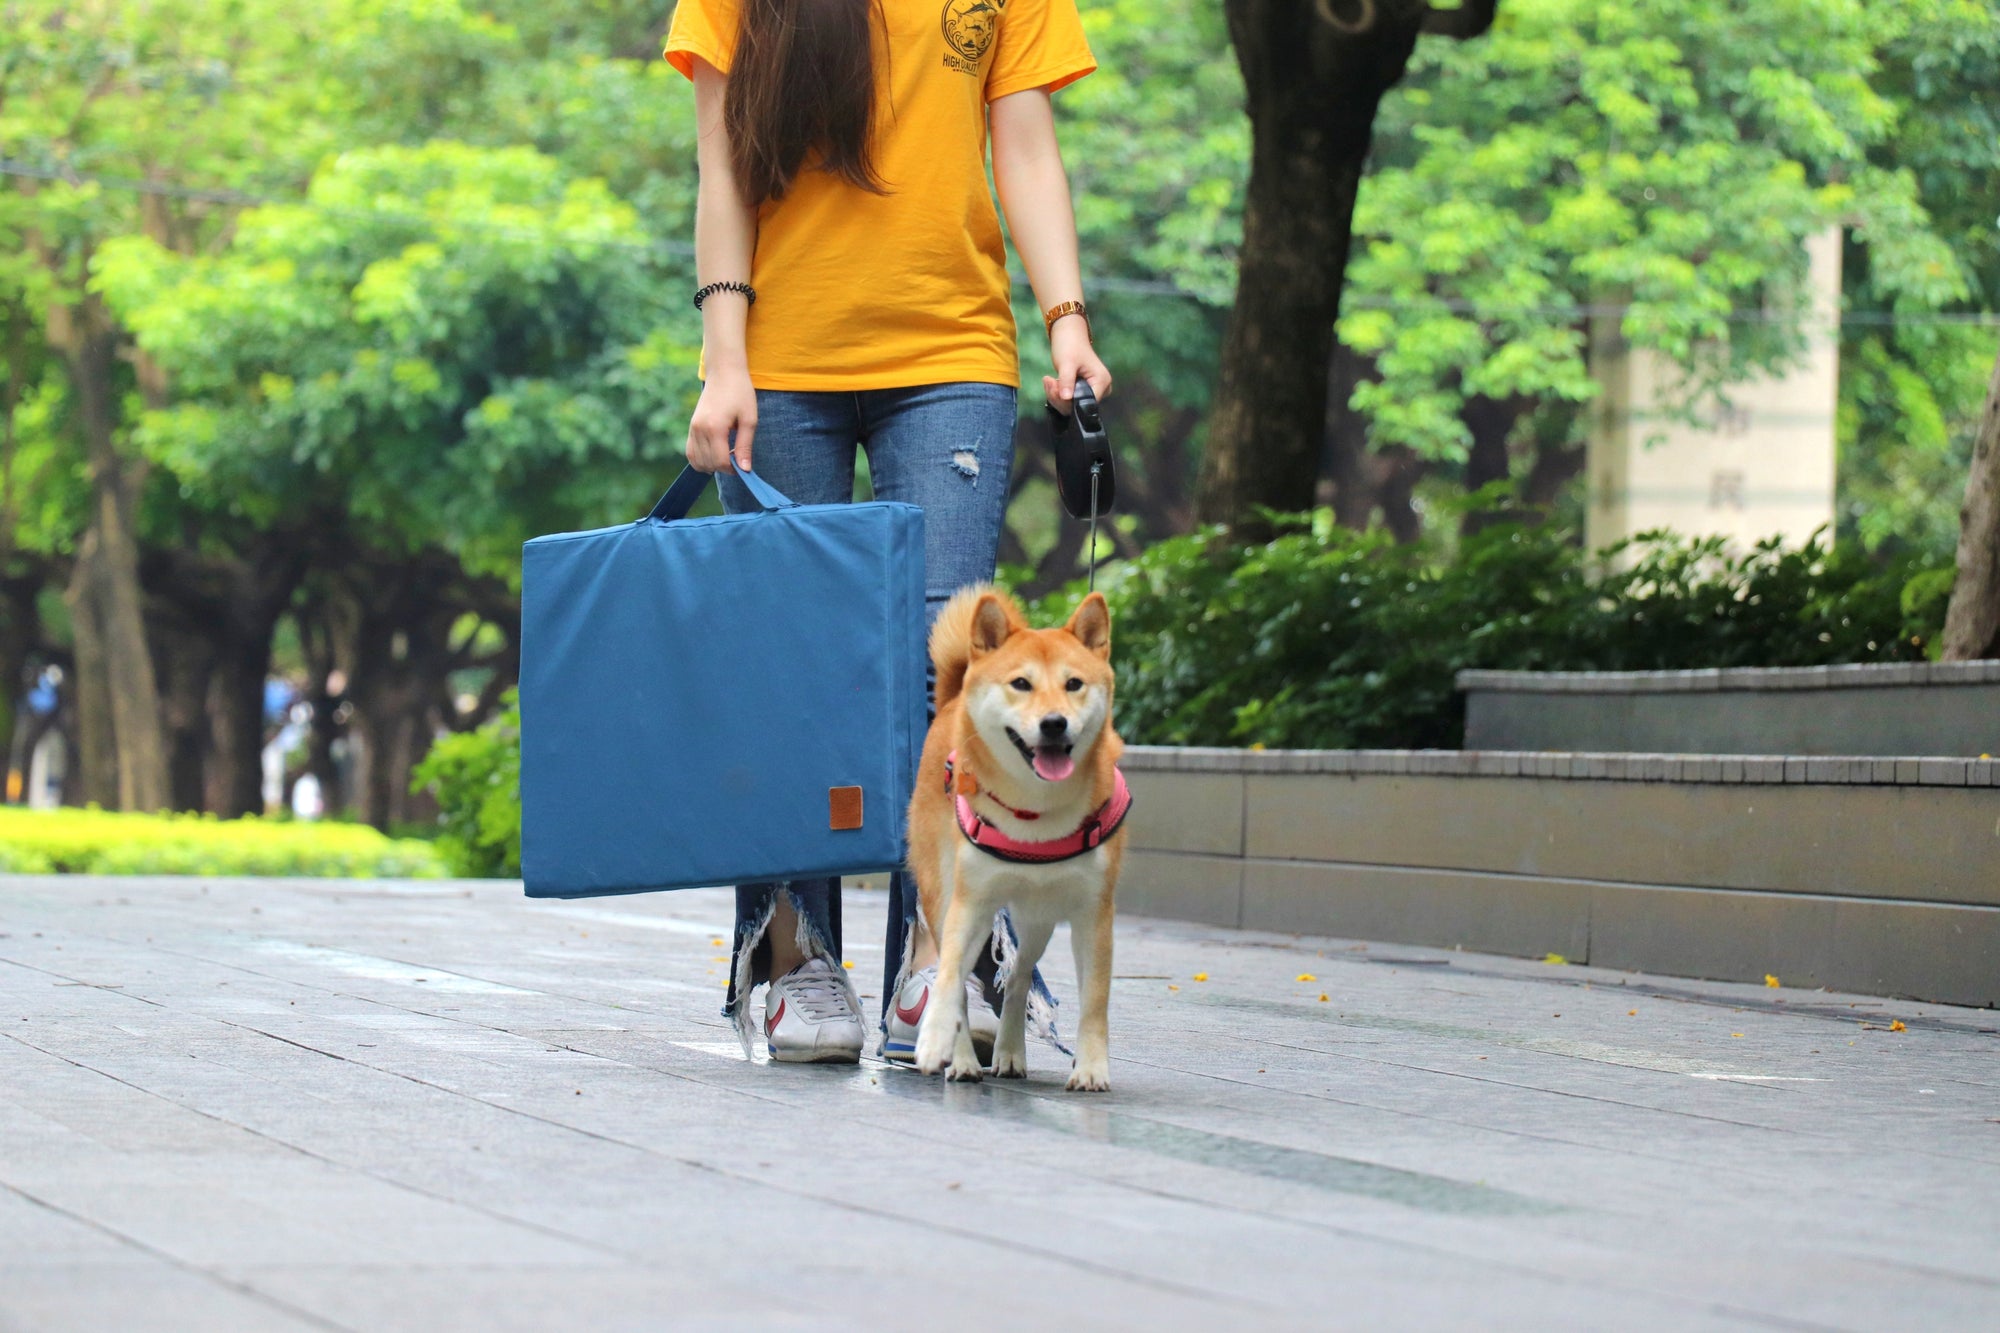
402,661
233,602
108,559
1972,624
1265,429
1347,480
1154,481
1365,480
1314,74
20,631
1491,422
93,774
387,729
236,725
1400,471
1557,463
186,668
325,621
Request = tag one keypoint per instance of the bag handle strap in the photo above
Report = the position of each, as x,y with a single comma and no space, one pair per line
687,488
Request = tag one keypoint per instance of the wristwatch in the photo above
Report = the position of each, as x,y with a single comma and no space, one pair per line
1056,312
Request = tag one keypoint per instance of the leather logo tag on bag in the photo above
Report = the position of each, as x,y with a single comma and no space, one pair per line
843,807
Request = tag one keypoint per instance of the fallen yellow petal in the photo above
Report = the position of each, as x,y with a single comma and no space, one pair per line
1896,1025
1555,958
1306,976
1735,1034
848,966
715,944
1322,999
1631,1013
1201,976
1770,980
1173,988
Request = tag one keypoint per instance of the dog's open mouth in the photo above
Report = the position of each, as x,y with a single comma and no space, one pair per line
1050,762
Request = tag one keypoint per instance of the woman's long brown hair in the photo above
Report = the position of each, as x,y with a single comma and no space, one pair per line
802,81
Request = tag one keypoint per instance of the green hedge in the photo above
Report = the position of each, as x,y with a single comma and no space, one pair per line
98,842
1327,638
477,778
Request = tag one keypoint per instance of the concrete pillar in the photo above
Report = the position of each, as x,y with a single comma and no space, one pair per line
1758,465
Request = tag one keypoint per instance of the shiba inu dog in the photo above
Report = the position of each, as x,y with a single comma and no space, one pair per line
1018,805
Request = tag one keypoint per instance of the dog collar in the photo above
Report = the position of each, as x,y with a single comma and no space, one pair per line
1096,827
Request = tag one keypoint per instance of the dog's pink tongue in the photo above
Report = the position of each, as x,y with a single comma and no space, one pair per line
1053,765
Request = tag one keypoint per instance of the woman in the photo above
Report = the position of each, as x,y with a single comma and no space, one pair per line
855,293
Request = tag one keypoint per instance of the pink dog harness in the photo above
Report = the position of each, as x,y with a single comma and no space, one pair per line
1098,826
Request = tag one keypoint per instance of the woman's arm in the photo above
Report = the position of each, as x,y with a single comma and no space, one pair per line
725,237
1034,193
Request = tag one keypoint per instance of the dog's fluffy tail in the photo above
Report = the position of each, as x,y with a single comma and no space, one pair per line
951,635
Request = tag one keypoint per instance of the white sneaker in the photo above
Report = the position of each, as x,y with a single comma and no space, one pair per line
899,1036
811,1015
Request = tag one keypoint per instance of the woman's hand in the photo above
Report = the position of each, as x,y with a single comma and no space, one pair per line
727,405
1073,356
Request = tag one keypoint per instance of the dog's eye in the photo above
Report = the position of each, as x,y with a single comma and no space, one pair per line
1020,683
1072,684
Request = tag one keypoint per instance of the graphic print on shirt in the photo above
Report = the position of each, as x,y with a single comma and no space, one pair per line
968,30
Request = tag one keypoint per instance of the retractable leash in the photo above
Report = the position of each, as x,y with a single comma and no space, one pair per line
1086,482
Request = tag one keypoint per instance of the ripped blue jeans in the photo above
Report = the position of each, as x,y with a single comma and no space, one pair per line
949,449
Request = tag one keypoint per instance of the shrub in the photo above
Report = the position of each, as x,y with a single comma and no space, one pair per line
24,861
99,842
1327,638
476,776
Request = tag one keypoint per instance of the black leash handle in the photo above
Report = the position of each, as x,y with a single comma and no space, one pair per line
1086,481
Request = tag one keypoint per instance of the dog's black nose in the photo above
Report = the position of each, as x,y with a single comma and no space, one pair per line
1054,725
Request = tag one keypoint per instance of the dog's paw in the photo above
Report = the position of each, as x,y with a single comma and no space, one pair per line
1010,1064
1091,1076
933,1050
964,1071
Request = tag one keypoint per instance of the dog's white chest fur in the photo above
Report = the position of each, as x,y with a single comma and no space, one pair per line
1045,894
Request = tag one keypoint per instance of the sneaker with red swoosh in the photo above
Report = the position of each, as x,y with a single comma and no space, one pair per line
811,1016
899,1036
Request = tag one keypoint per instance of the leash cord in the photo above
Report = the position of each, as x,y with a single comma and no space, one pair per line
1095,468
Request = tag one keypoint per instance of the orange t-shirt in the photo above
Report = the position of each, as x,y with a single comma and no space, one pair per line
864,291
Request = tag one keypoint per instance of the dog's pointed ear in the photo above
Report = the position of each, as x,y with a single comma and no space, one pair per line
1091,624
990,624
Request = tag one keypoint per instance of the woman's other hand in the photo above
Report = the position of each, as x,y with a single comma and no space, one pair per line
1073,356
727,407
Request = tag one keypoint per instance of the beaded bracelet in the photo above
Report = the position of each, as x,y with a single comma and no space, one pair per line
715,287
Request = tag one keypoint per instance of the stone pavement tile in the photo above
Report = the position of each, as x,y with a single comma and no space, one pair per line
153,1297
1432,1142
526,1298
32,1233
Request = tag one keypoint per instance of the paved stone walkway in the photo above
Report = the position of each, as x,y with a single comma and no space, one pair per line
308,1104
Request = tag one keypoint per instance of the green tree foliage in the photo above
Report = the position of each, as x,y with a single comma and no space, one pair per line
1157,154
1910,389
453,346
1665,159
